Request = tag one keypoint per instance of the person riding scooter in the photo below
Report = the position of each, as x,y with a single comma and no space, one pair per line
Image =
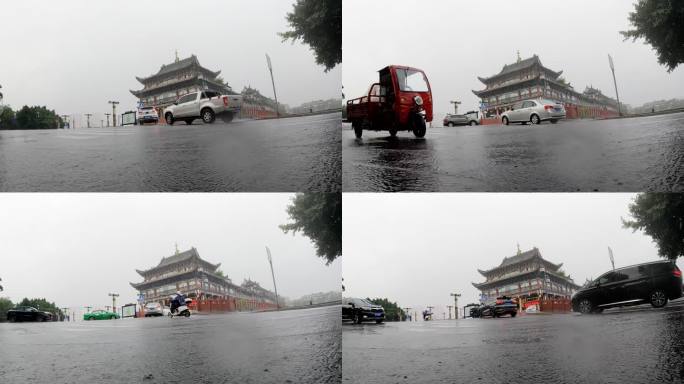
177,301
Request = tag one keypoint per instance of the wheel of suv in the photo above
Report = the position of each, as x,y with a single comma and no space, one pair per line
378,321
534,119
393,132
504,120
169,118
208,115
658,298
513,314
359,319
585,306
451,124
473,123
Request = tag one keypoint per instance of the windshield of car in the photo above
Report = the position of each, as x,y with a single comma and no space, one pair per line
411,80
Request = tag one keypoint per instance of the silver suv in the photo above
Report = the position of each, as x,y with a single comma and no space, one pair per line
534,111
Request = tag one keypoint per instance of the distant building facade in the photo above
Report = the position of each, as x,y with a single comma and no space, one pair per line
526,276
530,79
177,79
318,106
196,278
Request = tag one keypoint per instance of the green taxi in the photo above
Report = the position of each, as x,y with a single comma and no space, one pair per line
100,315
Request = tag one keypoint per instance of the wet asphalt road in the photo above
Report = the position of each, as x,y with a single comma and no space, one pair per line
622,155
636,345
299,154
298,346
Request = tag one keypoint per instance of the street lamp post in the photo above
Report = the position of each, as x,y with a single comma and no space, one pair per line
270,262
114,296
449,306
113,103
612,69
108,114
88,118
270,69
406,311
456,296
456,104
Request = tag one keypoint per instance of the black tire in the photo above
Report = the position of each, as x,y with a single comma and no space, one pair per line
451,124
359,319
418,126
208,116
505,121
553,121
169,118
112,318
227,117
534,119
188,121
379,321
585,306
513,314
393,132
473,123
11,319
658,298
187,313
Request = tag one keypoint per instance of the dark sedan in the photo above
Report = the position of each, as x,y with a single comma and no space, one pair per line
27,314
360,310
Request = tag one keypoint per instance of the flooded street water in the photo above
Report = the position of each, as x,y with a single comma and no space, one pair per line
639,345
298,346
622,155
288,155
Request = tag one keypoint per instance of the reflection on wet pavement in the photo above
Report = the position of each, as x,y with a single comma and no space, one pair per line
622,155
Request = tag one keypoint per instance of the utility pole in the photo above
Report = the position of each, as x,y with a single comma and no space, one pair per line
88,118
114,296
65,312
270,69
450,306
612,69
88,309
456,104
270,262
108,114
430,311
113,103
456,296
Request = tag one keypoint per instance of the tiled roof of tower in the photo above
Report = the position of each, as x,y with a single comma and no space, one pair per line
520,258
517,66
175,66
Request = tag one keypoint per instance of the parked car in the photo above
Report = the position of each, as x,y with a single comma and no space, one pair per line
653,283
470,118
401,101
501,307
154,309
360,310
534,111
147,115
23,313
100,315
205,105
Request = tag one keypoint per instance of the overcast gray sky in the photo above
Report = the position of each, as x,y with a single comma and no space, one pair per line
75,55
416,249
456,41
75,248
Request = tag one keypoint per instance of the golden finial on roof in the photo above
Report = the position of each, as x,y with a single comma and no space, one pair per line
177,249
519,59
177,56
519,252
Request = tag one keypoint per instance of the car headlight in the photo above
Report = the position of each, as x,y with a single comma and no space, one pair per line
418,100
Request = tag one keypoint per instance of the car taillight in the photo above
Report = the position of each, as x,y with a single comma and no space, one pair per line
676,272
548,107
225,100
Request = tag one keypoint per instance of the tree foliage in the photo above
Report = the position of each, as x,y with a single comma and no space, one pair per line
319,217
5,305
318,23
661,216
392,310
38,118
660,23
7,118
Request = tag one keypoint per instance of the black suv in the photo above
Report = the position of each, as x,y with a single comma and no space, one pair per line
27,314
360,310
654,283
